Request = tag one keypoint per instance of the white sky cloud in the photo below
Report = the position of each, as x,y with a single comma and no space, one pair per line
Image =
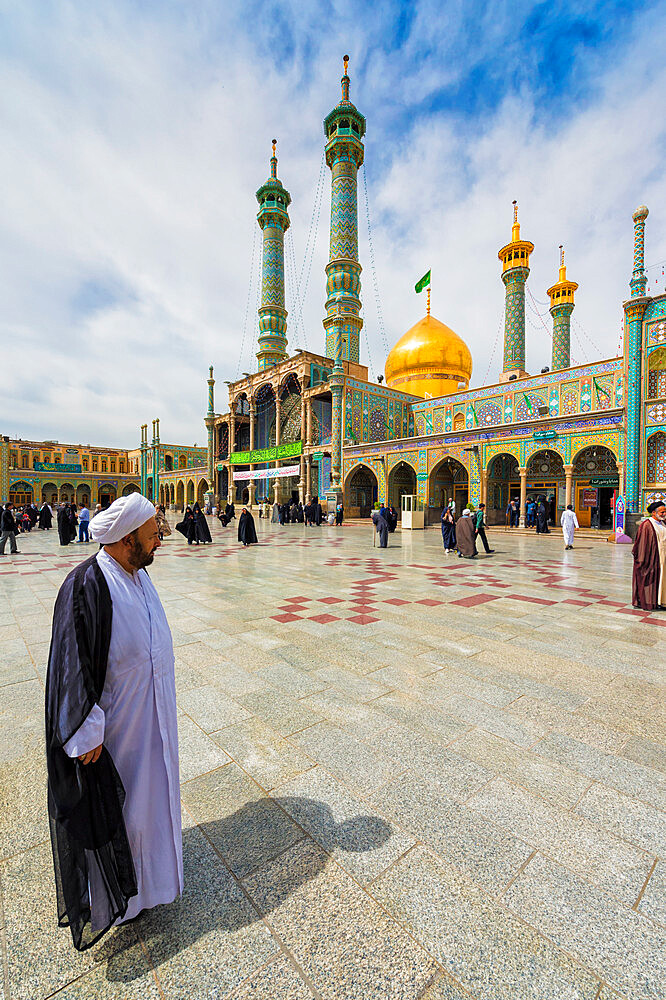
132,149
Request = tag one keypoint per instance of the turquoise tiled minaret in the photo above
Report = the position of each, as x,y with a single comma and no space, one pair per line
633,314
561,296
515,257
344,128
273,217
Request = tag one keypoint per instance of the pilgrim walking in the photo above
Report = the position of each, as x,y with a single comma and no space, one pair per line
381,523
111,733
649,577
448,530
466,535
247,533
569,523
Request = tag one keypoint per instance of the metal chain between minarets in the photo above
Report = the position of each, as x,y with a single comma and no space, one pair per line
247,301
301,288
373,269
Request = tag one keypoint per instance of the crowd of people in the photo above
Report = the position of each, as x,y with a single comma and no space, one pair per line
539,513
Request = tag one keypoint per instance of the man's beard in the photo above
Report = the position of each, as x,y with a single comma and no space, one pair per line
138,557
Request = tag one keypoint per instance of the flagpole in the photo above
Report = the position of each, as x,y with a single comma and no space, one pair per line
428,302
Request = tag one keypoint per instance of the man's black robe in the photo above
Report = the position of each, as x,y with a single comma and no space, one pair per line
247,533
85,801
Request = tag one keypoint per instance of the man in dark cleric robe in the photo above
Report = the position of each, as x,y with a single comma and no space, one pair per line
648,589
466,535
111,733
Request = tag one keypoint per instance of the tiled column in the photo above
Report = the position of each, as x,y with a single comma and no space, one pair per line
568,476
523,495
278,421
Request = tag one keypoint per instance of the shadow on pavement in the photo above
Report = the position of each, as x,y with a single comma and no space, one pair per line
248,840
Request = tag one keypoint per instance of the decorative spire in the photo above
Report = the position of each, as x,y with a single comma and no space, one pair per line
428,302
561,306
345,80
274,161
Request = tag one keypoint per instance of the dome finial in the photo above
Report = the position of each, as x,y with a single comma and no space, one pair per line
515,230
345,80
274,159
428,302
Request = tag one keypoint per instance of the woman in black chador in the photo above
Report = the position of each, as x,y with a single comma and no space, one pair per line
45,518
542,517
247,533
448,530
197,528
66,524
184,525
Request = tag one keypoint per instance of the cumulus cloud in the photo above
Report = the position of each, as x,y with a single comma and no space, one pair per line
135,137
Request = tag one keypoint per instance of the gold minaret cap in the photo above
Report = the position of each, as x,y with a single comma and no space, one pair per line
562,292
345,60
517,252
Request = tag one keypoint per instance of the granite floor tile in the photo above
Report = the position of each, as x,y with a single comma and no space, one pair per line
343,941
449,681
487,853
361,841
653,901
495,720
358,765
266,756
278,980
476,940
457,776
210,940
644,752
23,814
356,718
295,682
245,826
609,769
40,956
198,753
548,779
445,989
126,975
441,726
595,854
210,708
280,711
621,946
628,818
357,688
578,727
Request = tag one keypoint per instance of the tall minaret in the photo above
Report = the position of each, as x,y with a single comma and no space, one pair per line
561,307
273,217
633,339
344,128
515,257
210,428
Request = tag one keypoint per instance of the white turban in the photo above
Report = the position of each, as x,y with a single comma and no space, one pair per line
466,512
122,517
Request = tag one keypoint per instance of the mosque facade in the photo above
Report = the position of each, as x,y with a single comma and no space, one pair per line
313,424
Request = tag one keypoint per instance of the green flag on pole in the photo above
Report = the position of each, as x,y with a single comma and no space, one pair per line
423,283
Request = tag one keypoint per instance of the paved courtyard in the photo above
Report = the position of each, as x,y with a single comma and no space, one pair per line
402,775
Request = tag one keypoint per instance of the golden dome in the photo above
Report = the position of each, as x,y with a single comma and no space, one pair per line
429,360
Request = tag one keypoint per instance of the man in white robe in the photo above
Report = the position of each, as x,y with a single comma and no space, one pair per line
135,717
569,523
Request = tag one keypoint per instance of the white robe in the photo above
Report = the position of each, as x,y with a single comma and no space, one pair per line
136,721
569,521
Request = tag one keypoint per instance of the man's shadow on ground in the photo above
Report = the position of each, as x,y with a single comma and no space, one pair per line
248,840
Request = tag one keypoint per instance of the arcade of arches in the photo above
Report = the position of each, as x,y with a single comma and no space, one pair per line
588,483
22,493
362,492
448,481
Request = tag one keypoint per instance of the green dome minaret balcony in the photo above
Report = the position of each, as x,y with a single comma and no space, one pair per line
273,218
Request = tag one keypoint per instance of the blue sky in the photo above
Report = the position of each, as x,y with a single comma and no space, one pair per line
135,135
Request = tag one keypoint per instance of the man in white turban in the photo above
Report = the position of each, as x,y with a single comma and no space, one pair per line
111,734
